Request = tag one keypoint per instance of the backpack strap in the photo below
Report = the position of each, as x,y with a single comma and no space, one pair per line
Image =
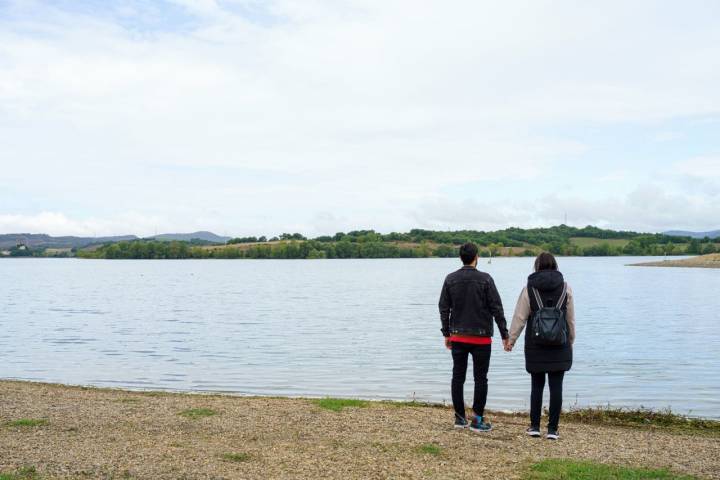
537,298
562,296
560,301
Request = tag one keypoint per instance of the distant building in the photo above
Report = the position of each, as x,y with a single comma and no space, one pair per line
5,253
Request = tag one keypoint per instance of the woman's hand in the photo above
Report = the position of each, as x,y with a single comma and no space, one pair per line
507,345
448,343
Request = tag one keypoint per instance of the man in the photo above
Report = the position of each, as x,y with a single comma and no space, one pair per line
468,303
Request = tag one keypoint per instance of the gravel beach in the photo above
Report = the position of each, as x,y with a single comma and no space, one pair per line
74,432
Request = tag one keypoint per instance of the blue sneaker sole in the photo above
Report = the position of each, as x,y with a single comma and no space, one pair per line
477,430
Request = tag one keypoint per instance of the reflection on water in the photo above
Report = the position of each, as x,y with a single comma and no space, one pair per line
367,328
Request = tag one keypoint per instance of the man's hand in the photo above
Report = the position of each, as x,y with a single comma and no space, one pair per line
507,345
448,343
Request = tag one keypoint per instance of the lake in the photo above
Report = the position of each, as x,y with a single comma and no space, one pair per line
349,328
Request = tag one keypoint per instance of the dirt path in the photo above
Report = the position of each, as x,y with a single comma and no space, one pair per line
93,433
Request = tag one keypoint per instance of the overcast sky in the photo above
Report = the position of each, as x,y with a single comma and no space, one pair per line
253,117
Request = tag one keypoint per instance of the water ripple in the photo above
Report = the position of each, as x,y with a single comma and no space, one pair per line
349,328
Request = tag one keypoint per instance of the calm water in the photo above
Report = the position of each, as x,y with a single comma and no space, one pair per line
365,328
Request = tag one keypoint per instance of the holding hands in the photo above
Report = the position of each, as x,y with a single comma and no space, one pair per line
506,344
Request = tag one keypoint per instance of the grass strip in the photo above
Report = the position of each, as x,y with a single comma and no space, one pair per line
195,413
235,457
563,469
643,417
337,404
28,422
26,473
430,449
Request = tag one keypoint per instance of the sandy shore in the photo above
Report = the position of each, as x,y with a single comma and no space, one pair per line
114,434
703,261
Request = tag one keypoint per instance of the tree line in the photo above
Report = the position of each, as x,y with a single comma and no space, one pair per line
315,249
288,249
509,237
417,243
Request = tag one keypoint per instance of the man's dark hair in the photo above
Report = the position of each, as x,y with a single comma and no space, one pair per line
468,252
545,261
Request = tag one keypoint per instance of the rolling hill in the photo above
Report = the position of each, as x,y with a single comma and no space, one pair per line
41,240
188,237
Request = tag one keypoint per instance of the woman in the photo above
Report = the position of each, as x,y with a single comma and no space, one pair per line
545,288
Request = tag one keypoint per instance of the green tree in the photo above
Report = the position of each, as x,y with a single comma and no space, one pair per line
708,248
693,247
495,249
446,251
314,254
425,250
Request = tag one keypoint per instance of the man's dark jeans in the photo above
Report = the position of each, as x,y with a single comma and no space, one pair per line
481,362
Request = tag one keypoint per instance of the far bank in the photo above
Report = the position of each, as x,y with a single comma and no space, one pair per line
702,261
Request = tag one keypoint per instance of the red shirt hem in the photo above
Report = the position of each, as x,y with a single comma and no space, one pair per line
469,339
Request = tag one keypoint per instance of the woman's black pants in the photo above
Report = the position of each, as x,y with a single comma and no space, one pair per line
555,382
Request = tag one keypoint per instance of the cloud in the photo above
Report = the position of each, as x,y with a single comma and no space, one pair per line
55,223
668,136
359,113
705,166
649,207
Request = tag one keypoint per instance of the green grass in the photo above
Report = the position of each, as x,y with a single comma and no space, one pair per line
591,241
26,473
430,449
28,422
235,457
195,413
337,404
558,469
643,417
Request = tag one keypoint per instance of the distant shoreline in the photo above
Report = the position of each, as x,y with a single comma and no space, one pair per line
560,240
483,260
702,261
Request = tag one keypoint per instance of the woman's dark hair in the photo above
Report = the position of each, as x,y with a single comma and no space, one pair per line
468,252
545,261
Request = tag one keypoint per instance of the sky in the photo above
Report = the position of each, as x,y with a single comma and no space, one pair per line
248,117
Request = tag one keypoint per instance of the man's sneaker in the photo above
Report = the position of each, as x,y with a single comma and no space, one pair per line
460,422
552,435
533,431
479,425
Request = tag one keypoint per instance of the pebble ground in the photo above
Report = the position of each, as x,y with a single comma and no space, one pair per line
115,434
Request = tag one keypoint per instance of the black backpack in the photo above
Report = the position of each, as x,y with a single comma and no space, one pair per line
549,326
